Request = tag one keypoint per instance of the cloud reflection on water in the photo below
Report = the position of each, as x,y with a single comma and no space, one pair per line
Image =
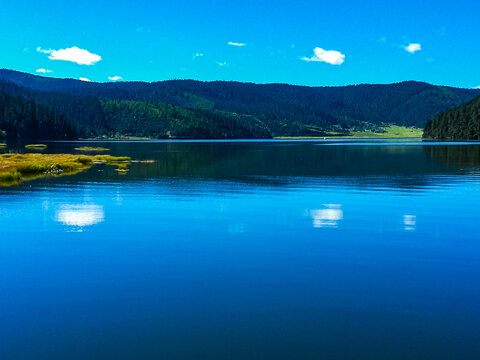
80,215
329,216
410,222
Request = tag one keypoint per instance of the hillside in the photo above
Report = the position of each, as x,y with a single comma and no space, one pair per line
195,109
462,122
32,114
21,117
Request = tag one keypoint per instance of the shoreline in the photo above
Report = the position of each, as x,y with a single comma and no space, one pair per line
16,168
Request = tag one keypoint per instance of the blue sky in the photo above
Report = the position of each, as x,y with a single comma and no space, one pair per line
319,43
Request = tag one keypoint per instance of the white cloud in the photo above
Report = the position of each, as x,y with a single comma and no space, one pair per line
413,47
84,79
198,55
43,71
329,56
383,39
231,43
223,63
476,87
115,78
73,54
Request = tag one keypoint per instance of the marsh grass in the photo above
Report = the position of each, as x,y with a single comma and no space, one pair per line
3,145
91,149
36,146
110,158
15,168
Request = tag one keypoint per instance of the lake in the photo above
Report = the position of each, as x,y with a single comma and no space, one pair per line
337,249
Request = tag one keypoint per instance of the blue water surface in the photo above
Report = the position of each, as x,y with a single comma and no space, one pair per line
247,250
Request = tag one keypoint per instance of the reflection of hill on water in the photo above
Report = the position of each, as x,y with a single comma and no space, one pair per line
289,164
455,156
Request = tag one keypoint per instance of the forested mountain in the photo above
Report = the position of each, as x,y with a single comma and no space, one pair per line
88,116
219,109
462,122
24,118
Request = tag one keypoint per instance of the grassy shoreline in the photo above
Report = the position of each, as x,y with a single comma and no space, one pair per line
16,168
391,132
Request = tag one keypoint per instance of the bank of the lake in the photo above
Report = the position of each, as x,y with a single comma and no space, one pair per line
15,168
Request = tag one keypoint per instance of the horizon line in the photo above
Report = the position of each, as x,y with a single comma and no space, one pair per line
232,81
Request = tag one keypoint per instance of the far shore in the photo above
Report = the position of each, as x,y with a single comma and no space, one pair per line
390,132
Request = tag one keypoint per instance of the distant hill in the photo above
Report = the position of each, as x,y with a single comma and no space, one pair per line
22,117
461,122
219,109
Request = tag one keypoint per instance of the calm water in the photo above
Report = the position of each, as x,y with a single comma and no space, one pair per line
247,250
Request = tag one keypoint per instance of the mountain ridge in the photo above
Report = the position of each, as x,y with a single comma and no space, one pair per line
5,71
229,109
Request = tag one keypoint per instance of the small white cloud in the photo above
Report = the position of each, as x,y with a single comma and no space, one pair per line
231,43
73,54
413,47
115,78
476,87
222,63
332,57
84,79
43,71
383,39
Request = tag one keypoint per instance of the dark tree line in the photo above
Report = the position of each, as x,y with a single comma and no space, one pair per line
460,123
23,118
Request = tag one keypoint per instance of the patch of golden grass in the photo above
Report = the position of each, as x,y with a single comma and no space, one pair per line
3,145
36,146
15,168
110,158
